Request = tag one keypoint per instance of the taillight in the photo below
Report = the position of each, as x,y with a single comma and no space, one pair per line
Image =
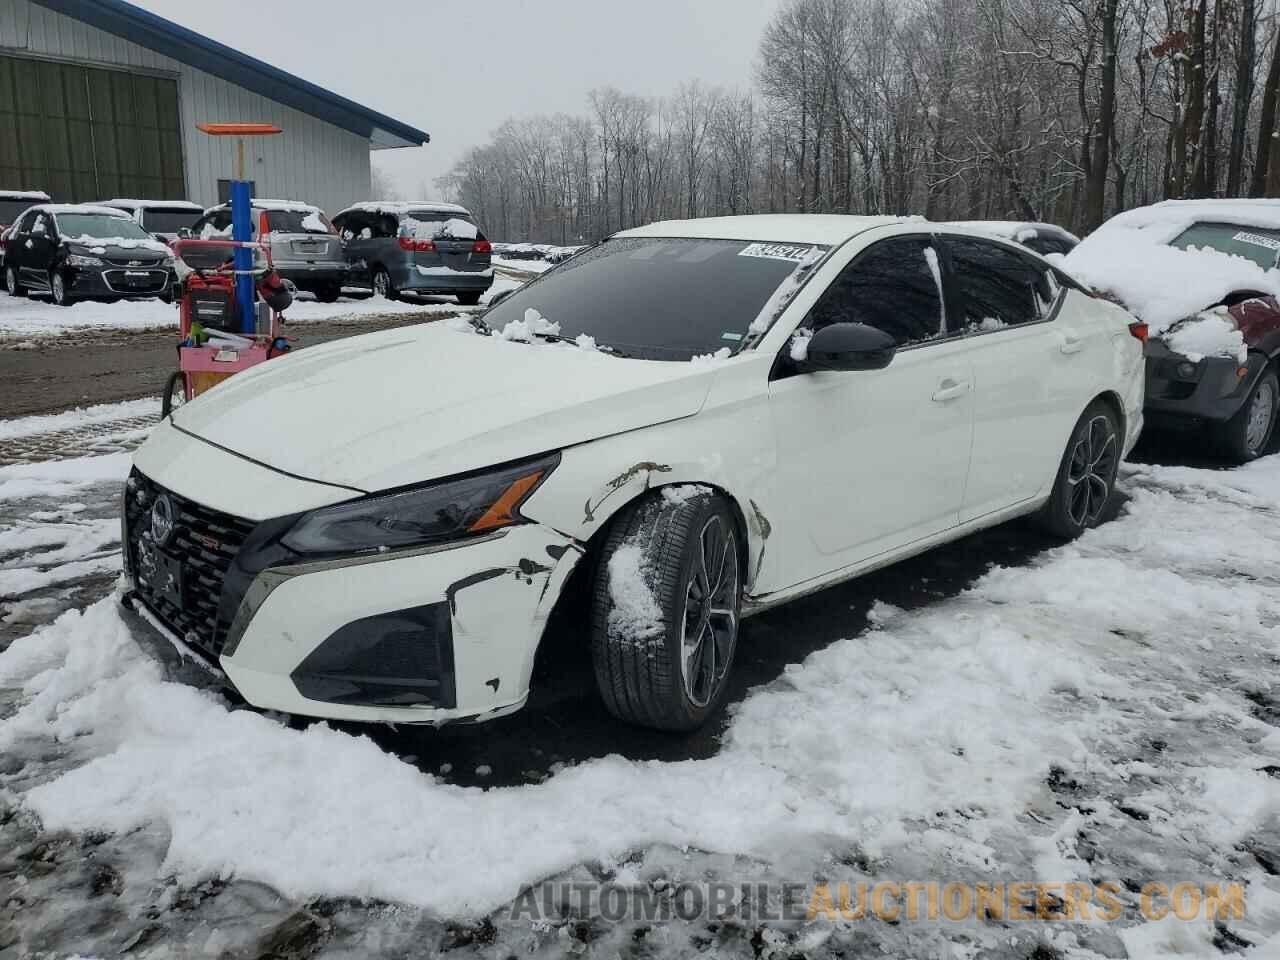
1139,330
414,245
263,228
482,246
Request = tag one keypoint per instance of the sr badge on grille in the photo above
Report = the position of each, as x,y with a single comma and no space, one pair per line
162,520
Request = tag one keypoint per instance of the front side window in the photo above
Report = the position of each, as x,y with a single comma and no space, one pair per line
659,298
998,287
28,222
894,286
1258,244
99,226
41,226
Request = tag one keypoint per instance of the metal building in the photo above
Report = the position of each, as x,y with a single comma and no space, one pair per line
99,99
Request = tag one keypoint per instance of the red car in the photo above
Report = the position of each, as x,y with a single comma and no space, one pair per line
1201,274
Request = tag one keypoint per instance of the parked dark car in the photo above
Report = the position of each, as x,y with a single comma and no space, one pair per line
163,219
1201,276
77,252
305,248
12,205
417,247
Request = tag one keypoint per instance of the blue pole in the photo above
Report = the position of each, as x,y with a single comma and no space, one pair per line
242,229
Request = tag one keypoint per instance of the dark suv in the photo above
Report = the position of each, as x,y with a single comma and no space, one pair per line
76,252
417,247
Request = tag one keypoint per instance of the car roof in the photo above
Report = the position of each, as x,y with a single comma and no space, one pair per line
35,196
823,228
1014,229
269,205
56,208
397,207
153,204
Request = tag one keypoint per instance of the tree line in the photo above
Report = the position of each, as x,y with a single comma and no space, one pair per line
1060,110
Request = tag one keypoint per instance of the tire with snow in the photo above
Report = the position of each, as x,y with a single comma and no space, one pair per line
11,284
665,610
1245,436
1086,477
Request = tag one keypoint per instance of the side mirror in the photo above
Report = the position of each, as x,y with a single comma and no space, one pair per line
184,233
848,346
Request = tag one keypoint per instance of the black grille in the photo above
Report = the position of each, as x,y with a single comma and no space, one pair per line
201,548
121,281
134,263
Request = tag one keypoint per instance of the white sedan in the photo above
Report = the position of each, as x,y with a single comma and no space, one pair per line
679,427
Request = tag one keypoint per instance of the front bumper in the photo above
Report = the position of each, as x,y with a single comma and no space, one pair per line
112,281
440,634
1213,388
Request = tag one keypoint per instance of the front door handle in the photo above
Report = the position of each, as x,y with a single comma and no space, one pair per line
950,389
1070,342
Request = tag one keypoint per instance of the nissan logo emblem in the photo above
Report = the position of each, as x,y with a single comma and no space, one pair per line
162,520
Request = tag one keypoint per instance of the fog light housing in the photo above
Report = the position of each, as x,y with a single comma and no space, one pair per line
1186,370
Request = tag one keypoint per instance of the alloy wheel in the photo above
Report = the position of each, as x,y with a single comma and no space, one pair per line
11,281
381,284
1261,413
58,288
709,631
1089,477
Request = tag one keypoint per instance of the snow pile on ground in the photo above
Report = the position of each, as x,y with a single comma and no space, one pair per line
1128,257
535,251
1212,333
523,266
37,553
60,478
79,417
1100,714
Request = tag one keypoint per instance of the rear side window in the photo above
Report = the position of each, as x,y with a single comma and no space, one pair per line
998,287
894,286
1259,244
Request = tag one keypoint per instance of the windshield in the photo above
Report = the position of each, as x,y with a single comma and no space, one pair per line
10,209
1258,244
661,299
298,221
168,221
99,226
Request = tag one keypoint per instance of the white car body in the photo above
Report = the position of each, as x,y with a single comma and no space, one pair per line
831,473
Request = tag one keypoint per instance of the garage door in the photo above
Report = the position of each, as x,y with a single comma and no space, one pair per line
85,133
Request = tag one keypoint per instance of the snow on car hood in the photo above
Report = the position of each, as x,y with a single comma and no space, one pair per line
1129,258
418,403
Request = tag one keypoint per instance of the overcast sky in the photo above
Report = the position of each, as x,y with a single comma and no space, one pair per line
458,68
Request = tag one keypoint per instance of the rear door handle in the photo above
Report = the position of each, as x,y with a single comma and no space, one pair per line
950,389
1070,342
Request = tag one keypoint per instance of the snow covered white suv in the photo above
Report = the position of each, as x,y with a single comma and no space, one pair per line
1201,275
677,428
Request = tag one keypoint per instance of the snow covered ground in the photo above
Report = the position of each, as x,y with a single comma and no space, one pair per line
1107,712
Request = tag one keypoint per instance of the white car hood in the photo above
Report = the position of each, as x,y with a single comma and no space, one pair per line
418,403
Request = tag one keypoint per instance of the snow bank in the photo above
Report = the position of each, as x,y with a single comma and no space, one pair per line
59,478
79,417
1128,257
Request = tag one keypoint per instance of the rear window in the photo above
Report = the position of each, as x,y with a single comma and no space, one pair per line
159,220
298,221
10,210
1258,244
439,226
662,298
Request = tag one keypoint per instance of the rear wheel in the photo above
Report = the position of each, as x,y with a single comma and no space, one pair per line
329,293
175,394
58,290
1087,475
664,612
1245,436
382,285
470,298
11,284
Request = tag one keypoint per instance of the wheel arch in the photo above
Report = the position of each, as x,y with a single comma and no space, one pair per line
1114,401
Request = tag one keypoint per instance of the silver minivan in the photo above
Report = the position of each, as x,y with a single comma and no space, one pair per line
423,246
305,248
163,219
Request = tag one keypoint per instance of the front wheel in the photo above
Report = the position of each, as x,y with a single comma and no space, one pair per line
175,394
665,611
11,284
58,289
1245,436
1087,475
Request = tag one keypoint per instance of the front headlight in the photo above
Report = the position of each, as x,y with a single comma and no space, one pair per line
447,510
80,260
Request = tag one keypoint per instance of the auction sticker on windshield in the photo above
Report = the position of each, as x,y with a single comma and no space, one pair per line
1257,240
777,251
